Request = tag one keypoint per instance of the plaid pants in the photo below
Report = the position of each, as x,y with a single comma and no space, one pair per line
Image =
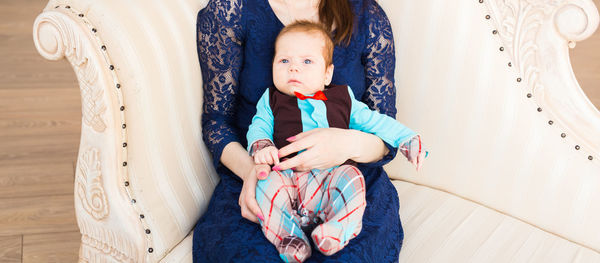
328,204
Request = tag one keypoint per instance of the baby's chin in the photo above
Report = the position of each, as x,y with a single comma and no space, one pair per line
290,89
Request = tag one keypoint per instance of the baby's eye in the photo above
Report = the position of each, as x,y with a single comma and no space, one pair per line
284,60
307,61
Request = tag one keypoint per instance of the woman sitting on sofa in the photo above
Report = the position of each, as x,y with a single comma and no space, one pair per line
235,48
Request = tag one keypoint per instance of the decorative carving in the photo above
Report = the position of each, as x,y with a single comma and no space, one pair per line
88,184
520,23
62,32
92,104
537,34
102,245
55,38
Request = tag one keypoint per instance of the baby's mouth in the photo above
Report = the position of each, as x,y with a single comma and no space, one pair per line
294,82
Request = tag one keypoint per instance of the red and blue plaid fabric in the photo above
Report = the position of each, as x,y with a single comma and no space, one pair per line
327,204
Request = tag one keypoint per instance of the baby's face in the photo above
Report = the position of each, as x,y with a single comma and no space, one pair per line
299,65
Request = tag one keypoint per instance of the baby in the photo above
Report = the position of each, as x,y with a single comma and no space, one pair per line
327,204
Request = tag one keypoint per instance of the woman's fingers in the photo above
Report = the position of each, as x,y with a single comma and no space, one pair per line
275,157
249,207
298,143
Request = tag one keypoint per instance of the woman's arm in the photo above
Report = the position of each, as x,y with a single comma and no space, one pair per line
220,54
219,43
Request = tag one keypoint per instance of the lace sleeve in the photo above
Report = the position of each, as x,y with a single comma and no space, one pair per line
380,62
219,44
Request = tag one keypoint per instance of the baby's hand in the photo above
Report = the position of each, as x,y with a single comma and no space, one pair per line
268,155
414,152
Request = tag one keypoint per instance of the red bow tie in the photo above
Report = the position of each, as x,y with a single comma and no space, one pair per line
318,96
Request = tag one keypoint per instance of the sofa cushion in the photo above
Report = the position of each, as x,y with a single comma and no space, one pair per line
182,252
441,227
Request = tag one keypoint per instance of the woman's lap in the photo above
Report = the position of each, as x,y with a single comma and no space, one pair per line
223,235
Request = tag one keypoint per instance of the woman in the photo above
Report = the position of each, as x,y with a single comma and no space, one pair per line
235,48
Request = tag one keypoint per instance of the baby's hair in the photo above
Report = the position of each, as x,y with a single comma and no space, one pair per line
311,28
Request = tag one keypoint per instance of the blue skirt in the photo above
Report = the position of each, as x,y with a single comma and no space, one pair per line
223,235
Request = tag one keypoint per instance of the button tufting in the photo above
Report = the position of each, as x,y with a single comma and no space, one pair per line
539,109
528,95
550,122
126,183
577,147
563,135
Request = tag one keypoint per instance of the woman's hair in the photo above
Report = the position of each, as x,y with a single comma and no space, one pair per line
309,27
337,12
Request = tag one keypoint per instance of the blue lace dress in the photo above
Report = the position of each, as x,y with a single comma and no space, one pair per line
235,48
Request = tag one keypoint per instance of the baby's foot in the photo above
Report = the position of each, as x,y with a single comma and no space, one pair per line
293,249
327,244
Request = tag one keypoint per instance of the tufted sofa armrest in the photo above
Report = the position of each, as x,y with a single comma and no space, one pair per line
143,175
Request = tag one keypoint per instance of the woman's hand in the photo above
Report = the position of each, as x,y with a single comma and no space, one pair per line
247,201
325,147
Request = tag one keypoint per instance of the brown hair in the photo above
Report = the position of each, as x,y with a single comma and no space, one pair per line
310,28
337,12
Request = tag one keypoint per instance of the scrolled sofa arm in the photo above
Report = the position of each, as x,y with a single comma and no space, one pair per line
143,175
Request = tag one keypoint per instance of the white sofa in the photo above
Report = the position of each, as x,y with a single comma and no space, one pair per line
514,168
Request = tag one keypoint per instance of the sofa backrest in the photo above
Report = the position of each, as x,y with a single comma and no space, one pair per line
170,169
489,86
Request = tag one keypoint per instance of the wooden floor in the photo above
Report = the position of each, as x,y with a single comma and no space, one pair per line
40,118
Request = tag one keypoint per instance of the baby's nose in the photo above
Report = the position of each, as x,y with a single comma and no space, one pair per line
293,67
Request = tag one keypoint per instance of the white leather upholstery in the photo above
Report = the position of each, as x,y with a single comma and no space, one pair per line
500,184
441,227
488,142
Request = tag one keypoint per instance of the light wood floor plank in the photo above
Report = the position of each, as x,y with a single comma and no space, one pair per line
35,215
50,248
37,177
10,249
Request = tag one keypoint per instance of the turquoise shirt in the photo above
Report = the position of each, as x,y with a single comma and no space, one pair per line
314,115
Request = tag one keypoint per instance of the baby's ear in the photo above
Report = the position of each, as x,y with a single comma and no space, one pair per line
328,74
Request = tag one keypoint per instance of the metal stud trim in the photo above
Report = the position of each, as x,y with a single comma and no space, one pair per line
107,60
519,79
